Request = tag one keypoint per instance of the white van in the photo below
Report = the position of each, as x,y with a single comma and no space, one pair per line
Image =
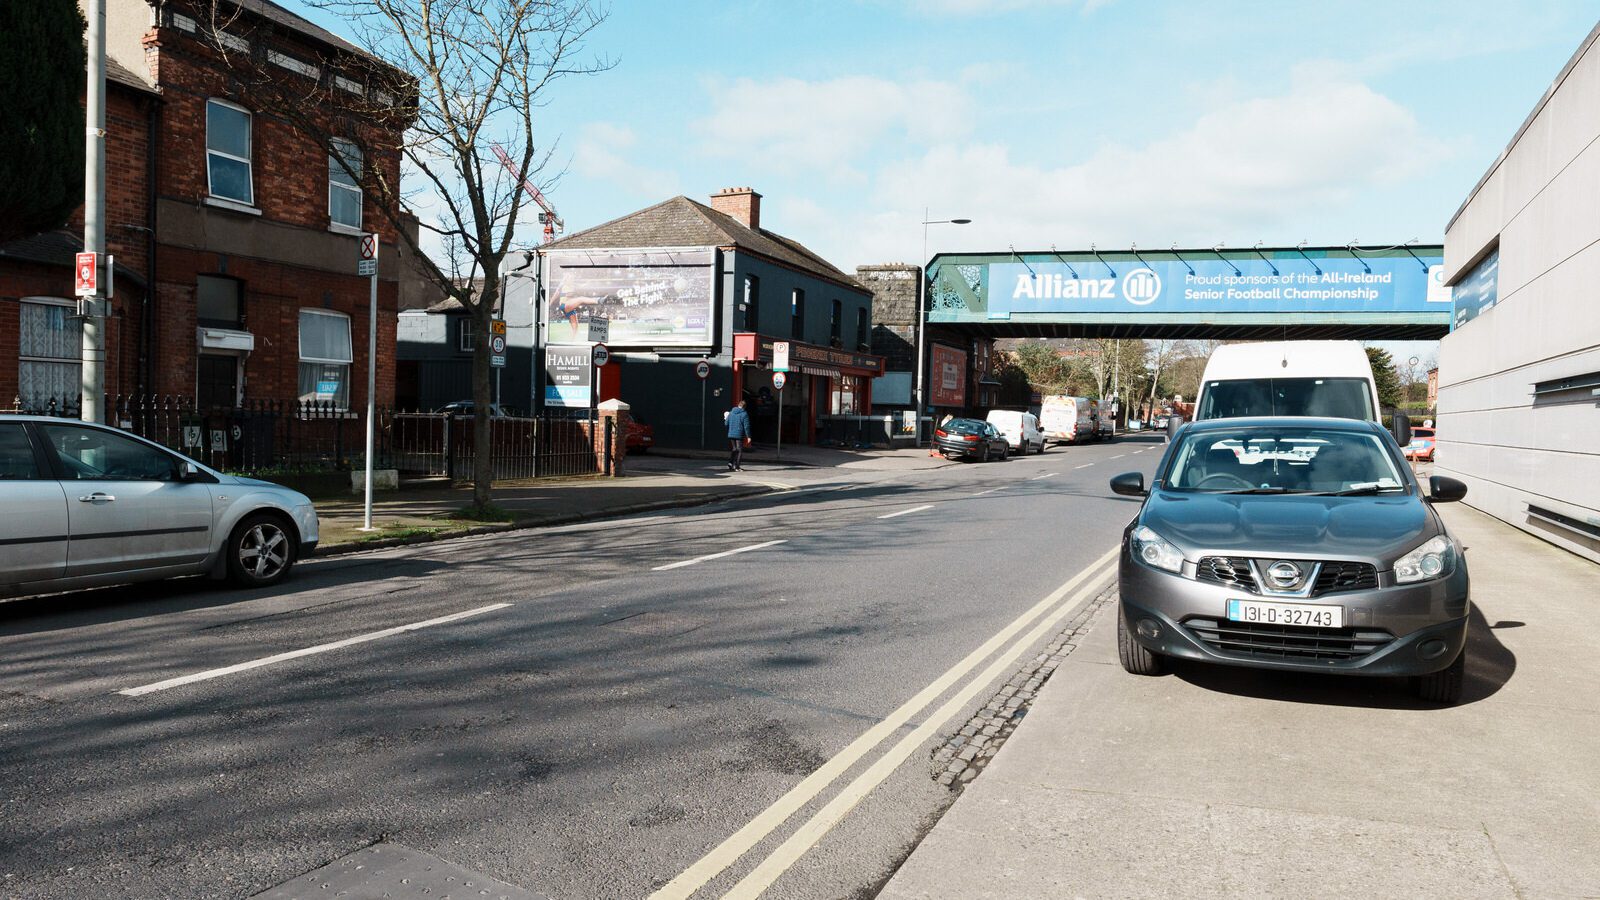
1067,420
1020,428
1289,378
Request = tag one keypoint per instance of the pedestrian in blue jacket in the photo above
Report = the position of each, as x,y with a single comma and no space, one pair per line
738,433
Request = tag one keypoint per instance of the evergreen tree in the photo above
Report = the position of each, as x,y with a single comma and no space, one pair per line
1383,373
43,68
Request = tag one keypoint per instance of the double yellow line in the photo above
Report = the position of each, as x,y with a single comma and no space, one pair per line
1053,608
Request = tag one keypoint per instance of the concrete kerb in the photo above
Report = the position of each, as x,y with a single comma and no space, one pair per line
551,522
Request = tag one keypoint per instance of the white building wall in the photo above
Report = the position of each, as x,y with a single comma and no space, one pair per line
1541,202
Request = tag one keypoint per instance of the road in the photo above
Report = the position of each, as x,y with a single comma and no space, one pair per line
741,697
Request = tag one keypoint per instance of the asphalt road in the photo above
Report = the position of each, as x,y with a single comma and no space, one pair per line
608,708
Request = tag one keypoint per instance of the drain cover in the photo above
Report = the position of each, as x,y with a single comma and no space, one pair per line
393,870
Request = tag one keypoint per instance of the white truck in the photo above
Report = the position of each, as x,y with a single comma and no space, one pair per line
1289,378
1068,420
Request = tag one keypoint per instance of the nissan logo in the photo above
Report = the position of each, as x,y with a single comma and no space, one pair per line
1284,574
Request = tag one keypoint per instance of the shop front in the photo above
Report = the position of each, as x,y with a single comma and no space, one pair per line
826,396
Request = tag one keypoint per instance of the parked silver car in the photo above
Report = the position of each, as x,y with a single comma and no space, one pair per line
1293,543
84,505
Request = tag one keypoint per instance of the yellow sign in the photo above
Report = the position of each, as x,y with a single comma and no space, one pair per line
497,326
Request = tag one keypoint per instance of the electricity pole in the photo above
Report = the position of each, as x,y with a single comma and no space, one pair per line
93,383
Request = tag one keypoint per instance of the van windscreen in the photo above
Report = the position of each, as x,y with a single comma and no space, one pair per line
1337,398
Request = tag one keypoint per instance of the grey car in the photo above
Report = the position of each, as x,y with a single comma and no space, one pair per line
1297,544
83,505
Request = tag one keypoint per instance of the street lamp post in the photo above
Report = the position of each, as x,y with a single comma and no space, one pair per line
922,313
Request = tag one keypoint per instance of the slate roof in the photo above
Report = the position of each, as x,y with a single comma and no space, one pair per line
276,14
681,222
116,72
56,248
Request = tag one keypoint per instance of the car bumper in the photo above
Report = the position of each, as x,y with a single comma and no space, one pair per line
962,449
1399,630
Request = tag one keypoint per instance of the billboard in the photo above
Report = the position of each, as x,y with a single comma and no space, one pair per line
1478,290
1198,285
947,377
569,376
651,298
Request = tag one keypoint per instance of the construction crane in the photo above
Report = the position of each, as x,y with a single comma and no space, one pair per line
547,217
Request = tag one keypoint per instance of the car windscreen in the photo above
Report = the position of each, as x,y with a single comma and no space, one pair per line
1331,398
964,426
1266,459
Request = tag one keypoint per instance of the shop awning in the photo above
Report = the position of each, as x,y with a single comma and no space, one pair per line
819,370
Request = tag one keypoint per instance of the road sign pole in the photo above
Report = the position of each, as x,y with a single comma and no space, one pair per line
93,378
702,414
780,425
372,380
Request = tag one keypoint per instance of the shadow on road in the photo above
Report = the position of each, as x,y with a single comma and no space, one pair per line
1490,665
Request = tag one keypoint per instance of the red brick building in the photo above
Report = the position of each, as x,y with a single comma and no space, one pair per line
235,235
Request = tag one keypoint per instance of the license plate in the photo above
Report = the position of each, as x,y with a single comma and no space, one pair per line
1304,615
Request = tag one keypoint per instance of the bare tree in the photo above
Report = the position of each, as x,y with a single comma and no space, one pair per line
457,77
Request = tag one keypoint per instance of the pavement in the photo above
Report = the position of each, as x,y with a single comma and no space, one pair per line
1215,782
660,480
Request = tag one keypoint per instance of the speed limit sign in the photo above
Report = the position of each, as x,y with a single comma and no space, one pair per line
702,370
601,354
778,380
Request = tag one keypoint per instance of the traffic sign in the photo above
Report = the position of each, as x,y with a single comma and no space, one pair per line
779,379
369,246
367,258
702,369
88,273
497,350
780,356
601,354
497,326
599,329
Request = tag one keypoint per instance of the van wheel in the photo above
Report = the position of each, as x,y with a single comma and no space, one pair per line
1136,659
1444,686
260,551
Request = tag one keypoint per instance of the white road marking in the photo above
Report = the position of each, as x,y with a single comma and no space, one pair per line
990,491
815,828
1119,456
1084,466
1045,475
741,841
904,512
304,651
701,559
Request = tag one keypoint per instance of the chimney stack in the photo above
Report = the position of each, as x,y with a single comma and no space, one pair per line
742,203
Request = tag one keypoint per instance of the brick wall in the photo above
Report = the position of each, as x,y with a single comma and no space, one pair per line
894,312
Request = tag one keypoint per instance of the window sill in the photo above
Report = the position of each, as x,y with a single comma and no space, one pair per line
339,228
232,206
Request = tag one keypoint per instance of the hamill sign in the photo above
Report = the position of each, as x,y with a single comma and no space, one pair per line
569,376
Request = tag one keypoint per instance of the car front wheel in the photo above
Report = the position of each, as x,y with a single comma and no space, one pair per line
1136,659
1444,686
261,551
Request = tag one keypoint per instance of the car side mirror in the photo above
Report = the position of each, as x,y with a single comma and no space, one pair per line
189,472
1129,484
1401,429
1444,489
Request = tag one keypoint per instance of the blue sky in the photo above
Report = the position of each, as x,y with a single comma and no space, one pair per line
1059,122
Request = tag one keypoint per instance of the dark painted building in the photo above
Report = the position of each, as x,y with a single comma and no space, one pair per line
682,281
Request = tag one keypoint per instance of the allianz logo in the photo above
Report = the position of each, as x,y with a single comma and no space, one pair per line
1140,287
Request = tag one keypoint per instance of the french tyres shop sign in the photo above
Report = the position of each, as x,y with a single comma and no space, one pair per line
1335,284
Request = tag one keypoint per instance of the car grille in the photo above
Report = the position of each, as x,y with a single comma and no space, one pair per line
1345,576
1336,576
1226,570
1260,641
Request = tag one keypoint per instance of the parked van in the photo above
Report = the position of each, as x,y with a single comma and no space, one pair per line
1068,420
1020,428
1289,378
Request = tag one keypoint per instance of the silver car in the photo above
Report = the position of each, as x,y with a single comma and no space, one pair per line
84,505
1293,543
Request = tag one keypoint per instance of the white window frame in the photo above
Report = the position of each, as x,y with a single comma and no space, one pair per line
466,339
250,145
333,164
349,364
69,306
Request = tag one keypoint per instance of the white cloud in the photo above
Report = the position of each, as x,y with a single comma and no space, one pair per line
602,153
792,125
1250,168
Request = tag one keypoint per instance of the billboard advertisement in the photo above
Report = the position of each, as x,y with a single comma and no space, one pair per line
650,298
1478,290
1196,285
947,376
569,376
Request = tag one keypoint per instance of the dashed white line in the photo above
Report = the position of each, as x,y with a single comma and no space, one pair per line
1119,456
305,651
701,559
904,512
1045,475
1084,466
990,491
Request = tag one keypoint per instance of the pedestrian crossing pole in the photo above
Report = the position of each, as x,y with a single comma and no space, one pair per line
368,265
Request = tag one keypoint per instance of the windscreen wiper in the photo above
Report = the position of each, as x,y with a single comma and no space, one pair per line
1261,490
1361,491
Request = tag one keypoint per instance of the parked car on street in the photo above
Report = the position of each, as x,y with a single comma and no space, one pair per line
641,435
1020,428
1421,446
970,439
87,505
1069,420
1293,543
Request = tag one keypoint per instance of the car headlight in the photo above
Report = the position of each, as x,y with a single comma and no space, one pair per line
1436,558
1153,550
